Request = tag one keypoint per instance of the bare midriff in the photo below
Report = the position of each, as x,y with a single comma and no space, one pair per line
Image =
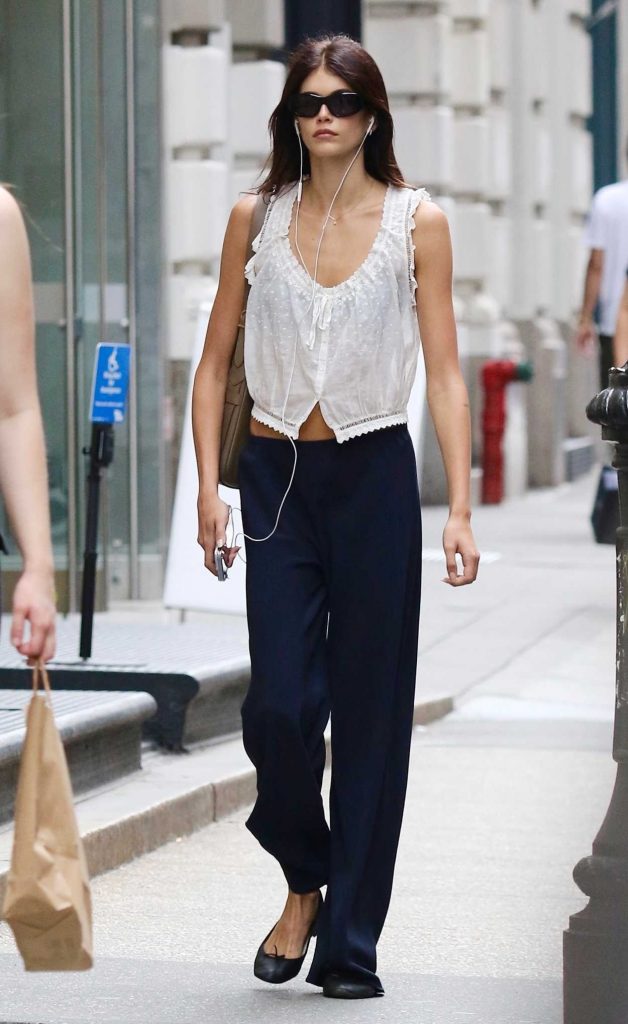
314,428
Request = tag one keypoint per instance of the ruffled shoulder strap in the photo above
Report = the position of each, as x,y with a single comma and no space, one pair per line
278,217
276,225
412,199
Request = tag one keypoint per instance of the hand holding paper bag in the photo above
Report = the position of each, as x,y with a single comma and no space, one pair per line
47,902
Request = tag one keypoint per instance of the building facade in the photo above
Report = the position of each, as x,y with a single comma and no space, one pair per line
79,144
129,128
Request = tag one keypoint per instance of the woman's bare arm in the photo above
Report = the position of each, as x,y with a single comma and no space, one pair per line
23,475
447,395
210,381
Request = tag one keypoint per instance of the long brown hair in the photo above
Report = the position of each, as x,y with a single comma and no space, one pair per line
343,56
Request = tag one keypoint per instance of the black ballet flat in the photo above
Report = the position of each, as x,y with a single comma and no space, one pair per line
343,986
277,967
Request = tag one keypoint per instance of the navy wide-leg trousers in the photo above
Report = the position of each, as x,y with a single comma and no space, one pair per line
333,602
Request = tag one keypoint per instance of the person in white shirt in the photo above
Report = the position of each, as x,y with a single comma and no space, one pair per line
606,236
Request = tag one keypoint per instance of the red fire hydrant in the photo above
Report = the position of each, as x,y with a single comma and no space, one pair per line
496,374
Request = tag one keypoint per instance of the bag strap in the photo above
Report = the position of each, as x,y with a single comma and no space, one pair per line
257,220
259,215
40,673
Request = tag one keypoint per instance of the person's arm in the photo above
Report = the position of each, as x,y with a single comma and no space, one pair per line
23,474
585,332
210,380
447,395
595,240
620,340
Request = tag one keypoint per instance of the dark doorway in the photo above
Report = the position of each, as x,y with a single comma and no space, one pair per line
315,17
603,26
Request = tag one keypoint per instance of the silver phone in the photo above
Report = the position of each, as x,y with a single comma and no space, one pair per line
219,562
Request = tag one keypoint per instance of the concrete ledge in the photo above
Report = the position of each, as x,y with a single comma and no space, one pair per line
101,734
78,715
114,844
201,666
173,796
238,791
215,711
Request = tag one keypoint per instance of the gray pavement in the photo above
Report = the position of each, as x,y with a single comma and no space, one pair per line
504,796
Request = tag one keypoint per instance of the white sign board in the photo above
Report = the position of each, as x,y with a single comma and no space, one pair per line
188,584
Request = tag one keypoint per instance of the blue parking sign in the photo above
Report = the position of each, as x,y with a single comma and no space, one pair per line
111,383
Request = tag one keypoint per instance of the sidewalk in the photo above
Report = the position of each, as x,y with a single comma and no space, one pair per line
505,795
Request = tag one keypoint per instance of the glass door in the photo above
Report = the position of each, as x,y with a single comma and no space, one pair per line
104,260
86,170
33,162
67,148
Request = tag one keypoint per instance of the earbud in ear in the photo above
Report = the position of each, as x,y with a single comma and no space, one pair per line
296,126
371,126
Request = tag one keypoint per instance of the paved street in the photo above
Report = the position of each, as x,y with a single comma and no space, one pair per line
505,795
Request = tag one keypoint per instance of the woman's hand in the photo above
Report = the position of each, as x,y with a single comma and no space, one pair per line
34,602
458,539
213,516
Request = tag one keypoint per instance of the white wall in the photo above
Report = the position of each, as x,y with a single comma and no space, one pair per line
489,99
219,90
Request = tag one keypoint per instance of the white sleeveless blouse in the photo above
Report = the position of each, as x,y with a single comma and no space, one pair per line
356,345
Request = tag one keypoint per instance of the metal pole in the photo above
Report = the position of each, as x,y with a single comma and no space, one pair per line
595,946
70,327
100,455
134,587
103,246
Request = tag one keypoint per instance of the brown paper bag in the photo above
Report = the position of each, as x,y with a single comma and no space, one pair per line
47,902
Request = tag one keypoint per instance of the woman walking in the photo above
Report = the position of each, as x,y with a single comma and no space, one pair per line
349,261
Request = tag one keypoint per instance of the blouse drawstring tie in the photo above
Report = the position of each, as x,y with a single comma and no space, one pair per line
321,315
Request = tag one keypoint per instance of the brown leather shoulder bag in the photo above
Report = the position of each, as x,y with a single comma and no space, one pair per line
238,402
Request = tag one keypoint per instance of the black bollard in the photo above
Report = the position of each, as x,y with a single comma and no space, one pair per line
100,454
595,946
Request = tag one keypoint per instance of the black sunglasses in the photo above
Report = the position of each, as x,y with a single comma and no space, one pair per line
340,103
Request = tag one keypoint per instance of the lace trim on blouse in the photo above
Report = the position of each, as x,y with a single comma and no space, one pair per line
344,433
270,420
369,424
413,204
278,227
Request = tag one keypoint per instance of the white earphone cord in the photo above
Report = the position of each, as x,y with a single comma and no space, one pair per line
308,307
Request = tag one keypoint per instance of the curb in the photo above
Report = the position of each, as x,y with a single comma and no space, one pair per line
119,842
